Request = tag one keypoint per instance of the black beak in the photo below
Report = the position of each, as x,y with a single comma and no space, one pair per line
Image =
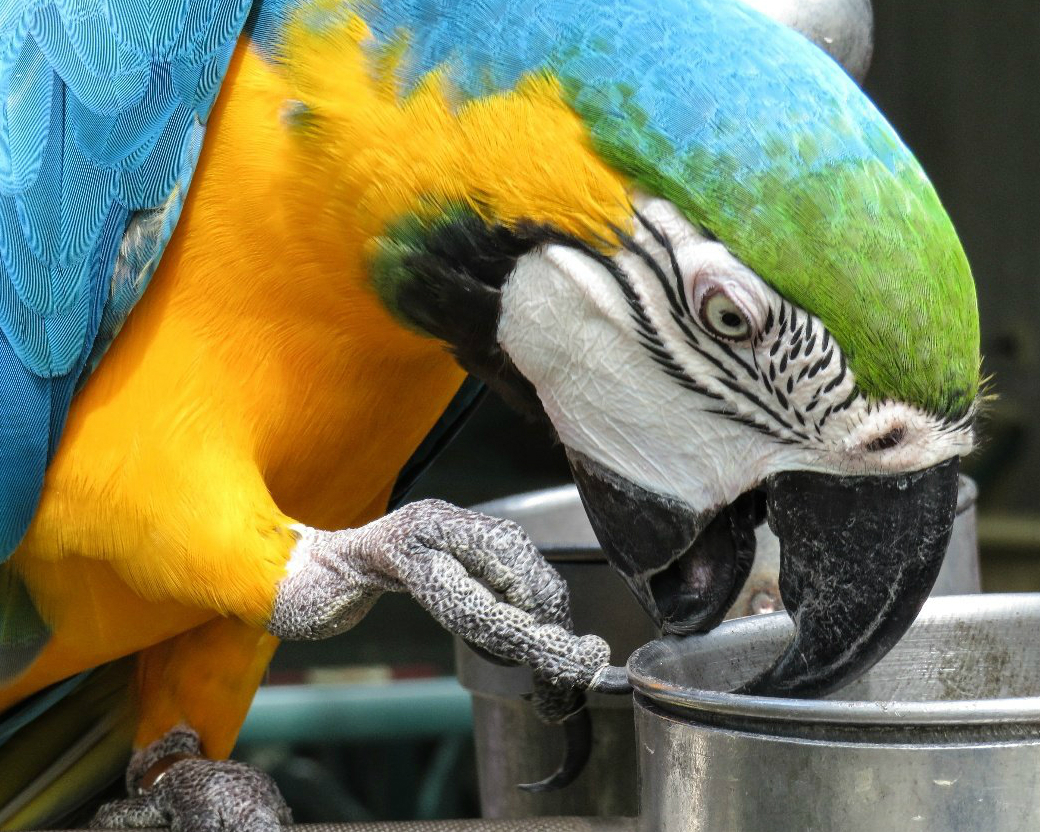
686,568
858,557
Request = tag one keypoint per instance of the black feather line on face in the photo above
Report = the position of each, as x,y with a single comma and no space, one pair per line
662,240
794,337
455,272
652,342
454,293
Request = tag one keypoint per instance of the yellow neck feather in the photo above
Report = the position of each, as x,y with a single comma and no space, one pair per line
303,168
517,155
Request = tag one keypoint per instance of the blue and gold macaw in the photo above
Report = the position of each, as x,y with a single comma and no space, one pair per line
248,254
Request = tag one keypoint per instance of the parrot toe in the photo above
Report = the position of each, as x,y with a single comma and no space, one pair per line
173,786
132,813
482,579
479,576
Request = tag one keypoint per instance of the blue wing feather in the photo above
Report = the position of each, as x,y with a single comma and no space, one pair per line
102,109
25,118
25,403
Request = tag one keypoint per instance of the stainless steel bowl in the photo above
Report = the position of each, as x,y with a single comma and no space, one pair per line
943,735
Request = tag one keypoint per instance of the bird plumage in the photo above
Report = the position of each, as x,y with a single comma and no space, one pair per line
753,132
269,376
105,105
169,501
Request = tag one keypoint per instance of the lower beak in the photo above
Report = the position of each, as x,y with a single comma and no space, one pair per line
685,567
858,557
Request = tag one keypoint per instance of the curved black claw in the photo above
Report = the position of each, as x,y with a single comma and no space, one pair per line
577,731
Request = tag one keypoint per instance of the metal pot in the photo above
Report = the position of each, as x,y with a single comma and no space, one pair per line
943,735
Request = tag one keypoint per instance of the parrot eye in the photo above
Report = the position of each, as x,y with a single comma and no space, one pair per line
723,318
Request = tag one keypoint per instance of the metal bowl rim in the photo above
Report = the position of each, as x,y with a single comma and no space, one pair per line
1024,709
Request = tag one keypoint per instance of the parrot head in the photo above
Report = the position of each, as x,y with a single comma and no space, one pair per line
679,231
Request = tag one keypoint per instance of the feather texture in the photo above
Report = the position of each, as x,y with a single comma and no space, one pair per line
23,633
752,131
104,108
740,122
541,111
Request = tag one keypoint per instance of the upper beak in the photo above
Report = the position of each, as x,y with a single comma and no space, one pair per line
858,557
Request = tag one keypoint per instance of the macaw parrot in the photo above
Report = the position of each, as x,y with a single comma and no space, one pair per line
250,251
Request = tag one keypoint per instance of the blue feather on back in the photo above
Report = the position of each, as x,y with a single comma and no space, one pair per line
104,106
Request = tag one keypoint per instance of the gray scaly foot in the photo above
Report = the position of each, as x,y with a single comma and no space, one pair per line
172,785
480,577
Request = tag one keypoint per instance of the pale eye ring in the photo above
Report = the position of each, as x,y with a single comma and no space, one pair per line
723,318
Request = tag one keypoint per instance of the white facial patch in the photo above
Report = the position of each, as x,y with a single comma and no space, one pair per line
631,373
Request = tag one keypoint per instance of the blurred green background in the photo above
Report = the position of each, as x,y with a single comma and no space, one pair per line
960,82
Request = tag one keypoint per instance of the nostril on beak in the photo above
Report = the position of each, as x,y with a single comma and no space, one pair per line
887,440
